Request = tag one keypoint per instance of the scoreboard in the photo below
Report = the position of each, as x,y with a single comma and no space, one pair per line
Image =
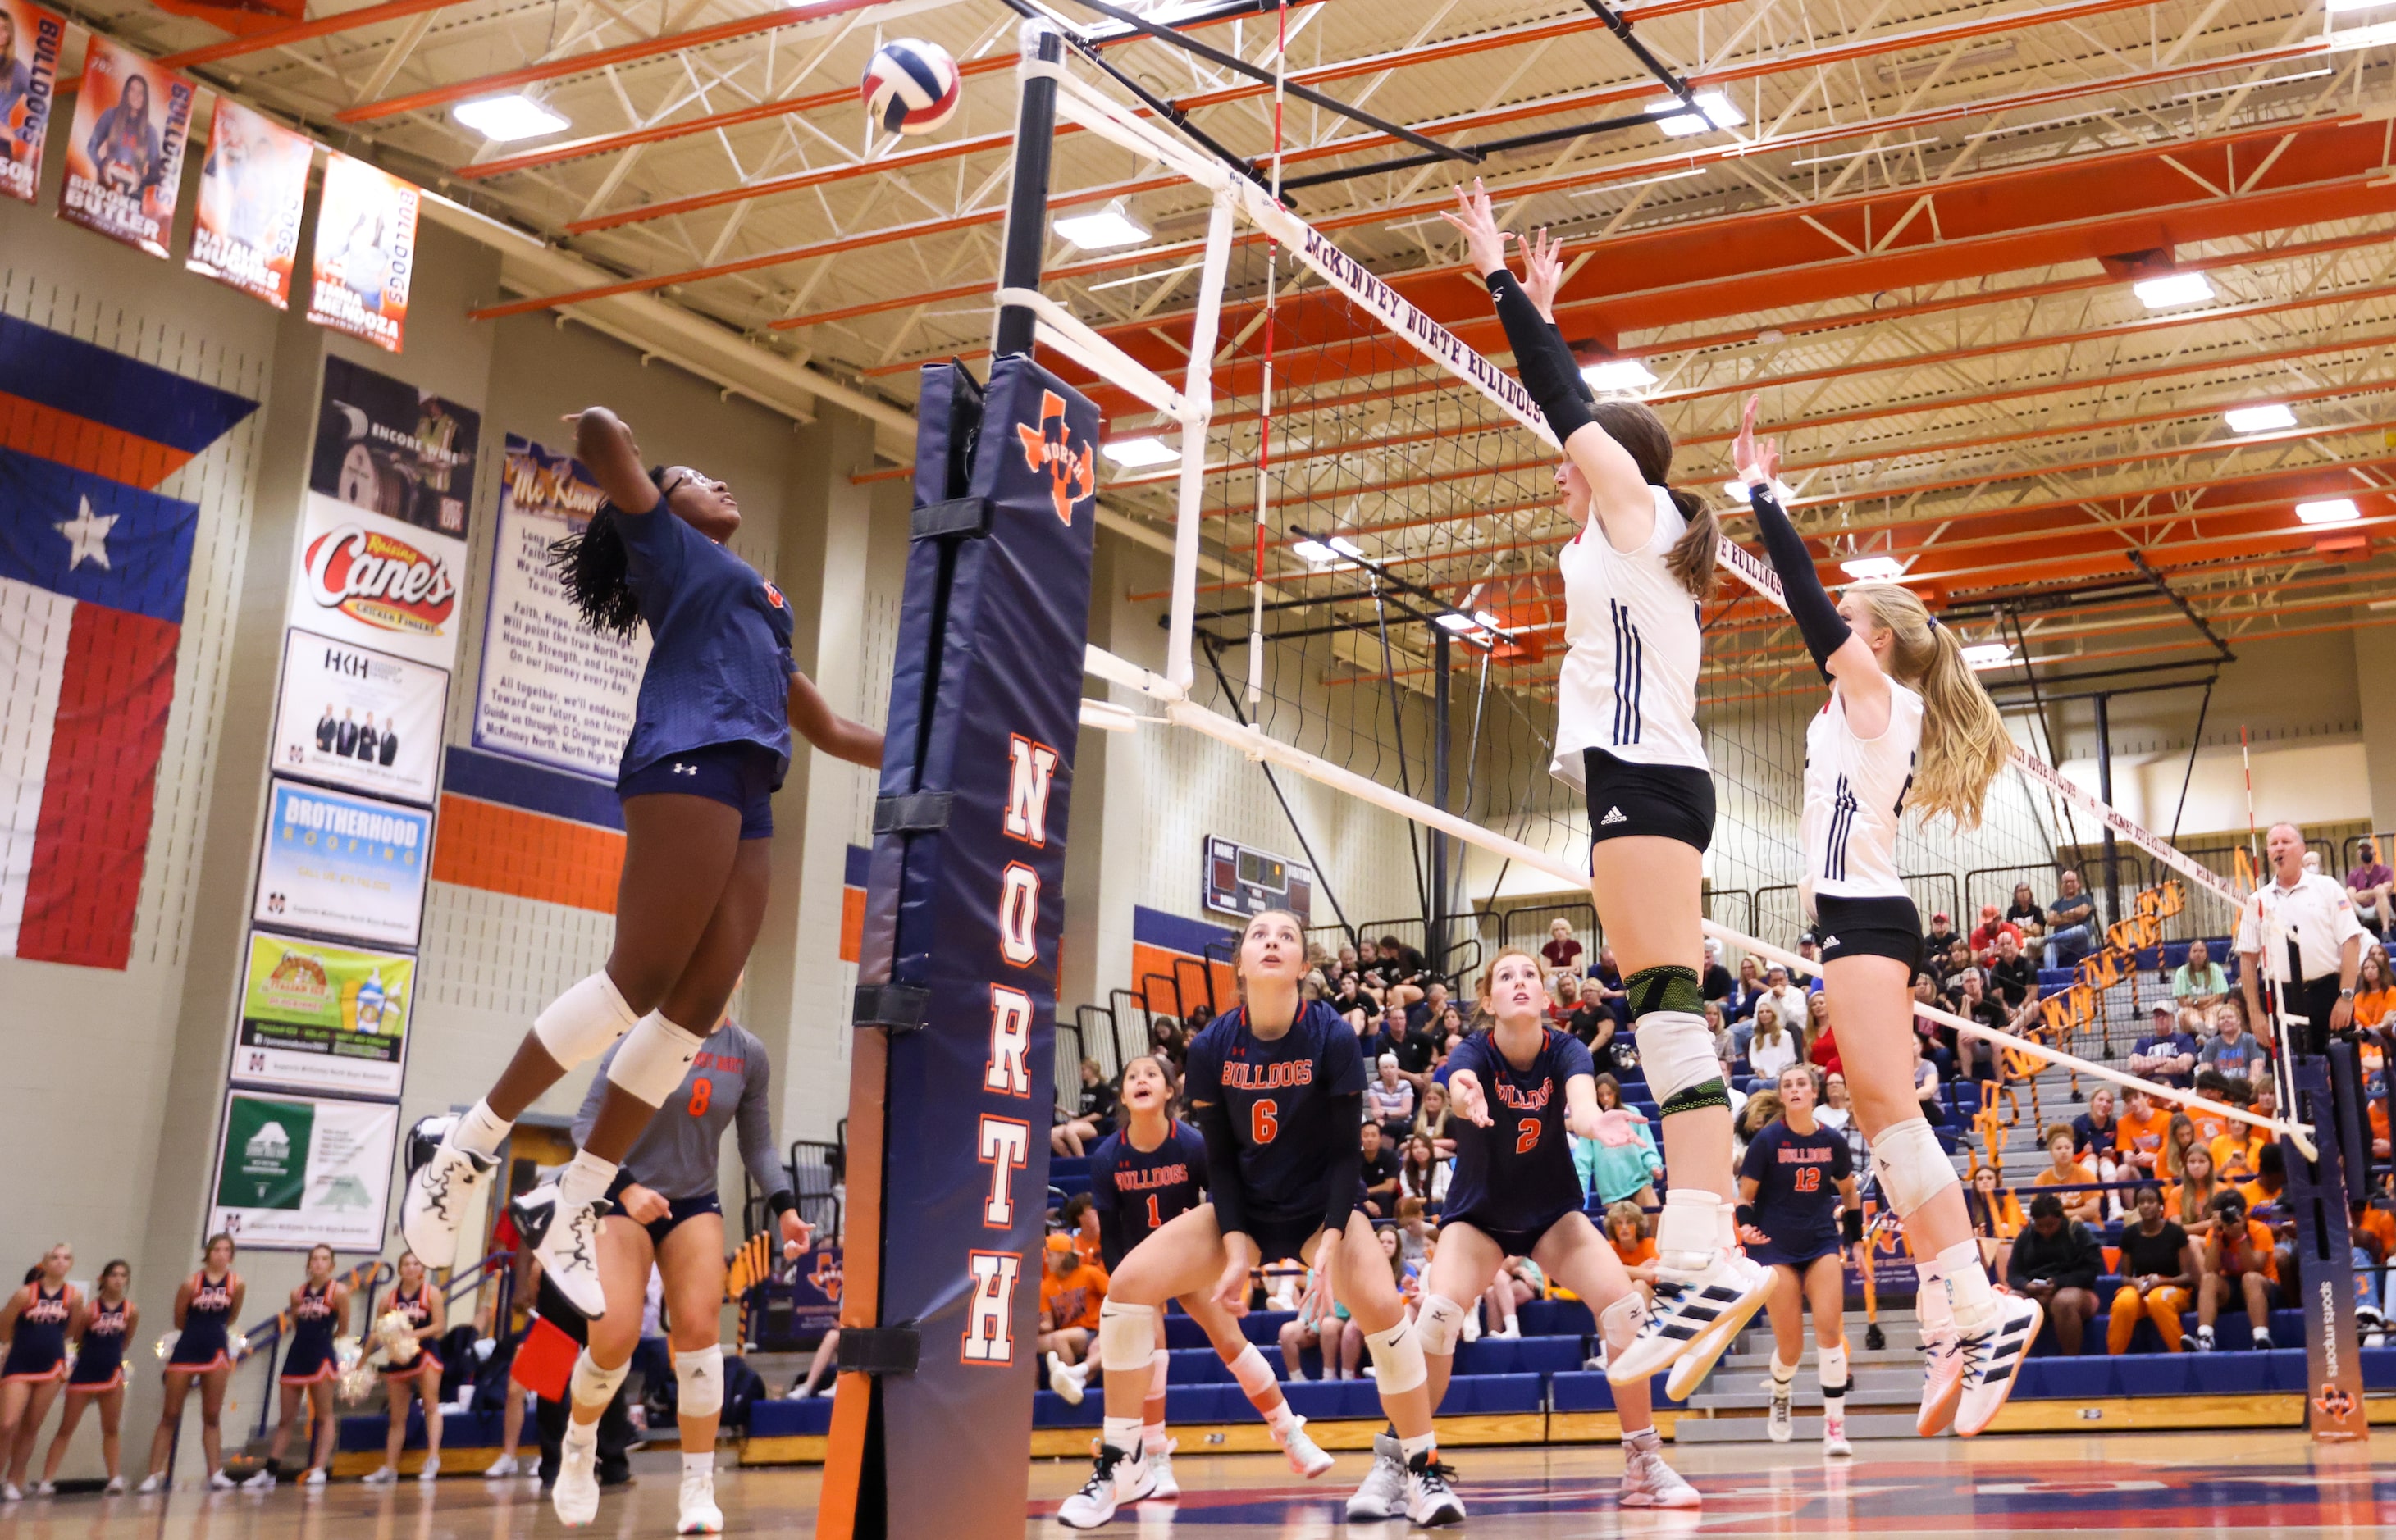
1243,881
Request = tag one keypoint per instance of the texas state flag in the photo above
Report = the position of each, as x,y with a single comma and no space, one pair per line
93,571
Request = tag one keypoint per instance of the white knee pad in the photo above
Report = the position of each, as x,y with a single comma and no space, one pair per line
1913,1166
1831,1370
1397,1359
593,1386
654,1057
699,1381
1619,1323
1438,1324
1127,1337
581,1024
1676,1052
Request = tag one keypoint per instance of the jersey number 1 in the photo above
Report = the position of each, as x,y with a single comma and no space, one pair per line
1154,1219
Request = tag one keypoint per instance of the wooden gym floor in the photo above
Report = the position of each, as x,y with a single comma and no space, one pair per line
2160,1486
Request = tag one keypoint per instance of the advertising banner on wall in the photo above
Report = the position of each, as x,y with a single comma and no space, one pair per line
30,41
552,690
246,232
295,1171
390,448
125,157
377,582
359,718
365,253
318,1016
342,866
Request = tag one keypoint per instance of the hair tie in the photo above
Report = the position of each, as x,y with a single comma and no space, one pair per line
1933,621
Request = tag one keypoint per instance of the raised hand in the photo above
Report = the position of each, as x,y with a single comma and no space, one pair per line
1483,240
1543,272
1755,460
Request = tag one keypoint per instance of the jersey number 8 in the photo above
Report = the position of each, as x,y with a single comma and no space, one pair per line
701,1094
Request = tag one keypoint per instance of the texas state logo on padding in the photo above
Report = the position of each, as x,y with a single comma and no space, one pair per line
1048,444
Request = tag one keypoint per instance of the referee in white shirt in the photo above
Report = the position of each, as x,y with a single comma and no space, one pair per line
2322,931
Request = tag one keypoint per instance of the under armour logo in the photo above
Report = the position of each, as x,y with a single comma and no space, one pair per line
685,769
1613,816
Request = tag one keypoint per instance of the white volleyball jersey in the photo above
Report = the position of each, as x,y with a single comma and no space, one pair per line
1630,680
1854,794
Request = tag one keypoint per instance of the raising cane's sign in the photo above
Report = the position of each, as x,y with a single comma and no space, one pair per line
378,582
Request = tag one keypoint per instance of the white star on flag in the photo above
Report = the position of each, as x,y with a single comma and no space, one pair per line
88,532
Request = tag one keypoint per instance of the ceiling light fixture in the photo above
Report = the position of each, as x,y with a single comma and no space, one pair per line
1988,654
503,119
1454,622
1873,569
1110,226
1617,373
2328,511
2170,289
1714,110
2258,420
1140,453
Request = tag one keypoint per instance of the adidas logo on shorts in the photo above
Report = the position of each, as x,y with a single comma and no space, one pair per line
1830,941
1613,816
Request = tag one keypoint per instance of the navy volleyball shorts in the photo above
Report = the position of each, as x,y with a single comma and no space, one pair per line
740,776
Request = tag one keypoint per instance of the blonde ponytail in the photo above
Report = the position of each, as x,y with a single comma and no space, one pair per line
1963,738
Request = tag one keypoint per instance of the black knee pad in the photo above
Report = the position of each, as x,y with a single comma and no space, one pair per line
1670,987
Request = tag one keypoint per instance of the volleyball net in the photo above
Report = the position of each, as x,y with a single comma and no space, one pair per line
1364,601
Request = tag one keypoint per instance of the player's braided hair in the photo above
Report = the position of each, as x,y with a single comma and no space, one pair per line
596,570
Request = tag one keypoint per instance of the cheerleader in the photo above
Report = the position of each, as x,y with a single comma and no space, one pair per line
205,1305
1519,1088
414,1296
1633,578
1797,1202
109,1321
1144,1175
319,1312
1906,723
710,744
35,1321
1277,1089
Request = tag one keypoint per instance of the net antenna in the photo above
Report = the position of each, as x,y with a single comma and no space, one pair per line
1485,433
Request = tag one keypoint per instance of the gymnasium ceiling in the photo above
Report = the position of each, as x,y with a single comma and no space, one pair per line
1919,243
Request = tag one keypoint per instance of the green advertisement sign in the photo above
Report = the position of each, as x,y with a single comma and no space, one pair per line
293,1171
318,1016
265,1163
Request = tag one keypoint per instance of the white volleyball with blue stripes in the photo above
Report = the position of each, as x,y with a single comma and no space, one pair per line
910,87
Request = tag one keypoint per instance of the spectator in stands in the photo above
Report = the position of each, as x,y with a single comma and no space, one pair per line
2141,1136
1431,1120
1518,1282
2374,1230
2159,1271
2190,1200
1925,1087
1169,1043
1403,969
1414,1232
2167,1052
1984,935
1597,1028
1380,1174
1718,1029
2370,883
1995,1213
1717,982
1838,1111
1078,1221
1321,1322
1422,1174
2198,985
2025,914
1957,967
2234,1050
1344,960
1941,936
1071,1290
1348,998
2269,1189
2093,1134
1563,999
1390,1100
1821,1043
1563,951
2011,977
1731,1086
2375,992
1977,1058
1613,1172
2239,1263
1413,1046
1809,947
1625,1228
2070,923
1604,984
1739,1004
2213,1084
1092,1118
1429,1010
2179,1137
1774,1046
2057,1261
1784,997
2064,1170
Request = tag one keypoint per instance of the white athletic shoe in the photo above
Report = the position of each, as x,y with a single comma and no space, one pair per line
1942,1383
220,1481
1834,1432
438,1194
1993,1358
262,1481
430,1470
115,1487
45,1489
315,1477
576,1496
1781,1425
569,1250
1384,1491
149,1486
1160,1484
699,1514
1647,1481
9,1493
501,1468
1305,1456
1511,1331
1115,1479
1430,1501
380,1476
1063,1379
1693,1315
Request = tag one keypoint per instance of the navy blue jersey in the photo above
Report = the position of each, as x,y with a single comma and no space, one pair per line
1517,1174
1797,1178
1277,1099
1137,1192
719,668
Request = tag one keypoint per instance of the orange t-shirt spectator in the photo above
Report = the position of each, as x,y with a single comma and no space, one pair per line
1071,1296
2061,1145
2139,1133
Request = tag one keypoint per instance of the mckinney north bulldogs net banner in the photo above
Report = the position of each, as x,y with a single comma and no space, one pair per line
957,999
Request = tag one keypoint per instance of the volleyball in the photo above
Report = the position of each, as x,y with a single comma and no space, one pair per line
910,87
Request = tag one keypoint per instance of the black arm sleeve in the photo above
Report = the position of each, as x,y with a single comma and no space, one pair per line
1809,603
1541,357
1345,1169
1225,1189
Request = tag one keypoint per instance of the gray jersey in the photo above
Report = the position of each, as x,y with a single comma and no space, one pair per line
675,1156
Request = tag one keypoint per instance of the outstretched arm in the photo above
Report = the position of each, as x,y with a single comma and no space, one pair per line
1837,650
604,446
828,730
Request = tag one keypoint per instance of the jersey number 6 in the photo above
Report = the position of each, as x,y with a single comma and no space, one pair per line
1526,1136
1262,1126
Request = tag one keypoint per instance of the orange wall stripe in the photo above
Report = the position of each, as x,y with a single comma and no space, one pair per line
508,850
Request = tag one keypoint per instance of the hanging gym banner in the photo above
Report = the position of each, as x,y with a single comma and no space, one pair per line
551,689
125,157
318,1016
365,257
30,41
246,232
353,717
339,865
295,1171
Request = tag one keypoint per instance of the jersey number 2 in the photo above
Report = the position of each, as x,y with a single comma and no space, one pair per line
1262,1126
1526,1136
701,1094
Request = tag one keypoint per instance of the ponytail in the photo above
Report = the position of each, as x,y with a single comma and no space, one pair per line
1642,435
1691,559
595,569
1963,738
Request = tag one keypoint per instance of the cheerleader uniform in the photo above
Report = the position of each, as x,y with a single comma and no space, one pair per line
100,1364
206,1342
38,1351
311,1357
418,1311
